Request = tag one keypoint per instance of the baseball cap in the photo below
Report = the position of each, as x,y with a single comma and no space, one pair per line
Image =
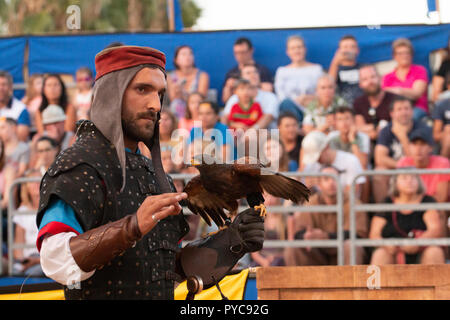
313,144
423,133
53,113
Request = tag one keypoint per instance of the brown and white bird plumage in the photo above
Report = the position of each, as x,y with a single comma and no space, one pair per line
218,187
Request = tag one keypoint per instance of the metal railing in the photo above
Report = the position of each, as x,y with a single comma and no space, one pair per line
338,208
383,207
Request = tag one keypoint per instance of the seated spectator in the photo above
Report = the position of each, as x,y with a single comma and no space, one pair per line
54,121
295,83
439,81
27,261
316,152
408,79
185,79
323,225
168,123
83,95
393,143
290,137
275,156
166,160
213,131
17,153
372,108
45,153
319,113
344,68
347,138
33,97
7,176
267,100
275,229
243,54
245,113
54,92
10,107
421,157
446,93
191,115
441,126
407,189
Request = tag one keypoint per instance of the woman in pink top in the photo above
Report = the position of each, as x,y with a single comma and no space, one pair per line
408,79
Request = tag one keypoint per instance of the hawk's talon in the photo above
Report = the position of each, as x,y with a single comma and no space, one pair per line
262,210
214,232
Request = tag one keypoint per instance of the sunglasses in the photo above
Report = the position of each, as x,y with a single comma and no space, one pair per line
85,79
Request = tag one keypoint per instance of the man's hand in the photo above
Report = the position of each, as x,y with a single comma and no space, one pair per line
400,131
339,57
155,208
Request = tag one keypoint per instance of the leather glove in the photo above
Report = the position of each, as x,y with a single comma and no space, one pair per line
250,227
211,258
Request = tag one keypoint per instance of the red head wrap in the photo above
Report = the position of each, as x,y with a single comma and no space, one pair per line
118,58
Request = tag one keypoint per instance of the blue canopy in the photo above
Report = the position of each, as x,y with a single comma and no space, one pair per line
213,50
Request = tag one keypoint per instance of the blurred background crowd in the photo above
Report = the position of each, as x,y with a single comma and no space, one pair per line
342,121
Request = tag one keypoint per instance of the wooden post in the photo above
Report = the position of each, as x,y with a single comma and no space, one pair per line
392,282
171,15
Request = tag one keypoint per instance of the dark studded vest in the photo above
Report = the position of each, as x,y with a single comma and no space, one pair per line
88,177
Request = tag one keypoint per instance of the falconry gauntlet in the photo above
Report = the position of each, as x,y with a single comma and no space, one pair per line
211,258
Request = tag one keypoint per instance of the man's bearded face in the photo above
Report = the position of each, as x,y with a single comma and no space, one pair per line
141,104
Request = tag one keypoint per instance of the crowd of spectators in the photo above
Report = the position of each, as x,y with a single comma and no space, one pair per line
340,121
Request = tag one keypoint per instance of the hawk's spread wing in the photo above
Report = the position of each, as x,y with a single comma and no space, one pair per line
274,183
207,204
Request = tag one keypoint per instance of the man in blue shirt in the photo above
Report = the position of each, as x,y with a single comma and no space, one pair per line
10,107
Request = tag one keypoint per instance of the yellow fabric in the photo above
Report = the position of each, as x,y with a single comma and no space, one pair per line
232,287
42,295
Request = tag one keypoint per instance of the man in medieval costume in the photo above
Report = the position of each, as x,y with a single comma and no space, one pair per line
109,219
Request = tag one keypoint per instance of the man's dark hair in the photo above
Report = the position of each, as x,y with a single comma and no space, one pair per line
52,141
10,121
214,106
398,98
344,109
367,65
329,166
248,64
244,40
7,76
348,37
286,115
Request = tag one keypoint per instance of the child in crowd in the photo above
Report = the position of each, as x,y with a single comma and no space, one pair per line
83,96
246,112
